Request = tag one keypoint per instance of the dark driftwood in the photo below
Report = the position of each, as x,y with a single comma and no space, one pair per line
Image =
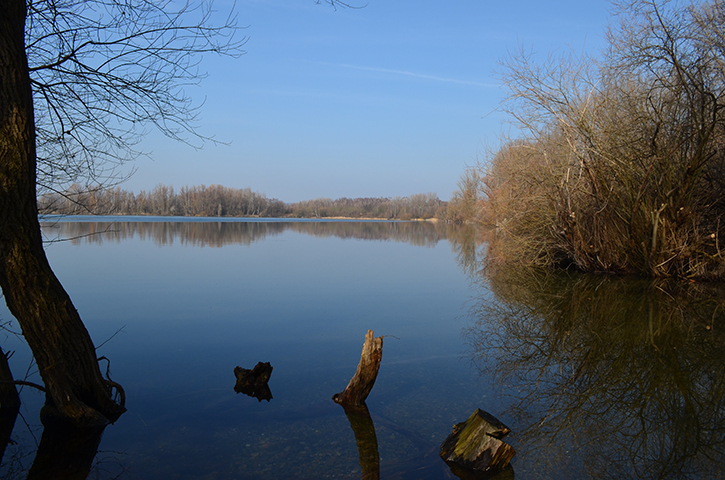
254,382
367,371
475,445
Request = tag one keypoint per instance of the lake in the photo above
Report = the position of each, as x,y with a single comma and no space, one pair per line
597,377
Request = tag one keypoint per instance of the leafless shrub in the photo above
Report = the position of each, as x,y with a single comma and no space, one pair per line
621,168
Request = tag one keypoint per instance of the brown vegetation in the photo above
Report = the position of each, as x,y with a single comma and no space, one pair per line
218,201
197,201
622,165
465,202
421,205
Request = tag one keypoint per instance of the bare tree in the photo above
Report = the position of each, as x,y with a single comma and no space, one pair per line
78,82
103,71
464,201
81,81
624,152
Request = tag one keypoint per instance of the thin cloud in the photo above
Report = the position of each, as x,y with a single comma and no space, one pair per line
418,75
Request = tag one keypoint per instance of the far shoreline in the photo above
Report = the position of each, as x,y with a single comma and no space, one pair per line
89,216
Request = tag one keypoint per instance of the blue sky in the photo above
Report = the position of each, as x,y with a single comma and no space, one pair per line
392,99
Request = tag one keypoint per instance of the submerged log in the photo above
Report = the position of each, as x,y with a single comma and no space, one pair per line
254,382
475,445
367,371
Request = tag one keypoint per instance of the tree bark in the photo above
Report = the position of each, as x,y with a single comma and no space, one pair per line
50,323
367,371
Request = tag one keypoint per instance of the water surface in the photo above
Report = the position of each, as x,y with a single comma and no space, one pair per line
176,305
598,377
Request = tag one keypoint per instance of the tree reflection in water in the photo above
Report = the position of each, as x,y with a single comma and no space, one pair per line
63,453
609,377
231,231
365,439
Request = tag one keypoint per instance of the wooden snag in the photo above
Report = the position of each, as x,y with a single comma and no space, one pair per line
254,382
475,445
367,371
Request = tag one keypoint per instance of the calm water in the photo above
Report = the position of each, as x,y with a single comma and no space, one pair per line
183,303
597,377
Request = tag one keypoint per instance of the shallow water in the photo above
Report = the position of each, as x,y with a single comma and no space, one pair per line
177,305
598,377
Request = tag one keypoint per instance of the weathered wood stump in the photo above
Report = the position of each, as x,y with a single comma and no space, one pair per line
254,382
367,371
475,445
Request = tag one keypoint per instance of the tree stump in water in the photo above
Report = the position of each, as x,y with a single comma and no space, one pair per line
475,445
254,382
367,371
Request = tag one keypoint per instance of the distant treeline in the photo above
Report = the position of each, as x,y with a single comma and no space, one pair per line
219,201
421,205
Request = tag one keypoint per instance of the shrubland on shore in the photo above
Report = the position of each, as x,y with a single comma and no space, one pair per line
621,164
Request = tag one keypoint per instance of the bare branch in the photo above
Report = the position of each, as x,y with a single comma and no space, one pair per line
103,71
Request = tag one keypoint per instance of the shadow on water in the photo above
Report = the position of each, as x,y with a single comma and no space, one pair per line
607,377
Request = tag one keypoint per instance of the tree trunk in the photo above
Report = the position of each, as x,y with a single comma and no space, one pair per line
367,371
50,323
